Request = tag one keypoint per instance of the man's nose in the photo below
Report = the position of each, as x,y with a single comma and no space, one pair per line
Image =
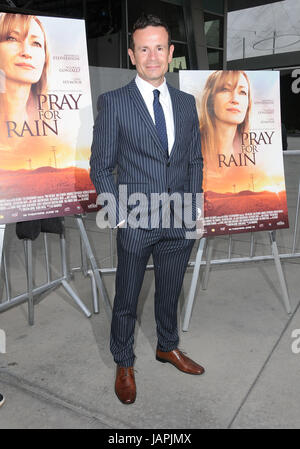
152,54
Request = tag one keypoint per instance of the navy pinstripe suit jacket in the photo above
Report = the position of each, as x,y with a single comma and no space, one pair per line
125,137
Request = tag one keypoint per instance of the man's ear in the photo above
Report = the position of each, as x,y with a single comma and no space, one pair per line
171,50
131,55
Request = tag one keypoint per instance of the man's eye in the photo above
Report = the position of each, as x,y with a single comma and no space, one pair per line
37,44
243,92
11,38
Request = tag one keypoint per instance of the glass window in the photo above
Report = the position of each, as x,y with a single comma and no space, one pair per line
175,2
103,26
168,12
214,6
103,18
215,59
213,27
289,96
65,9
180,58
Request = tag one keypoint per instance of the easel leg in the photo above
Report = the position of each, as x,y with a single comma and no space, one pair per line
209,250
191,296
2,234
87,272
296,220
285,296
65,281
94,266
76,298
31,291
7,287
47,257
29,274
94,291
84,261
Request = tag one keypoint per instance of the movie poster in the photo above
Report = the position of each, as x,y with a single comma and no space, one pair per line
239,116
46,118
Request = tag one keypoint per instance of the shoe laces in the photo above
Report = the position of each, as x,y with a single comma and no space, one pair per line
183,352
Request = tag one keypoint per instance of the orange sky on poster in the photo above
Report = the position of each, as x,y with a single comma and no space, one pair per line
29,152
236,179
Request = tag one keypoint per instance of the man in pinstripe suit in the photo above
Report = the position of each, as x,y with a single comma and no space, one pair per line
150,132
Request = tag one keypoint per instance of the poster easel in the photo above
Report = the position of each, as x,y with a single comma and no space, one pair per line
49,285
94,267
209,241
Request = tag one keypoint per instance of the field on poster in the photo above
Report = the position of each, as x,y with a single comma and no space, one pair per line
239,115
46,118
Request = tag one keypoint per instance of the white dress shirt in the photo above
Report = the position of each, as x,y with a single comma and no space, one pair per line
146,89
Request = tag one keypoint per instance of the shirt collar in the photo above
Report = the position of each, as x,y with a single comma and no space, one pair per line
147,88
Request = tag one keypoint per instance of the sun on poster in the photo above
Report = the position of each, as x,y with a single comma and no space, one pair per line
46,118
239,119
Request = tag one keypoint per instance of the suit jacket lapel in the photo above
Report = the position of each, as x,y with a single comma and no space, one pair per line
177,117
144,113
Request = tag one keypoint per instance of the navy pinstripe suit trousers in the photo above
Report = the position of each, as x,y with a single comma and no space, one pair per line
170,252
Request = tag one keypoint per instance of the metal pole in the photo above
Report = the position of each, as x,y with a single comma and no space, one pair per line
20,299
2,235
111,249
76,298
230,246
6,279
274,42
66,272
209,250
191,296
63,256
94,266
225,15
29,272
84,262
65,283
296,219
285,296
94,291
31,292
252,245
47,258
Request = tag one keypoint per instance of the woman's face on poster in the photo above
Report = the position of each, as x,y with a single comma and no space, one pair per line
22,57
231,101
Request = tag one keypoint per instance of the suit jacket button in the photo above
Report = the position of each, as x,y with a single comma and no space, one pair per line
168,164
169,190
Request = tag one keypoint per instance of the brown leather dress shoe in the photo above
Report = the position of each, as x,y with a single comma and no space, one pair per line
181,361
125,384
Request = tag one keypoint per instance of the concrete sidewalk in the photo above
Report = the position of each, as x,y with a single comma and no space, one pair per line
59,373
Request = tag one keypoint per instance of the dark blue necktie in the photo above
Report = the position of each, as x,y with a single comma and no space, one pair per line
160,122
